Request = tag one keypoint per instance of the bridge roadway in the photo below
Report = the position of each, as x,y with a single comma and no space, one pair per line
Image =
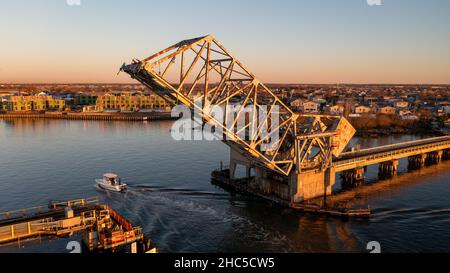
365,157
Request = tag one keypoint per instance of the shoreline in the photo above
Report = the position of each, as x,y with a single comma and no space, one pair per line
396,131
89,116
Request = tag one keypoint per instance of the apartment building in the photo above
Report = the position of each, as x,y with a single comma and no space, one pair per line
40,102
129,102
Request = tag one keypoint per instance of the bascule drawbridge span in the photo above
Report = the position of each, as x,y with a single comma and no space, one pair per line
203,75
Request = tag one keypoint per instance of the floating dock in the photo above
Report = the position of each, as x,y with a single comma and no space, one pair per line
102,228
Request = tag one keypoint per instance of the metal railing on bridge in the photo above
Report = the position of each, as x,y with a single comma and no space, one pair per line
393,150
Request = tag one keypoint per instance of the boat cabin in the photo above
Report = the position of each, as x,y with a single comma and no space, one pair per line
112,179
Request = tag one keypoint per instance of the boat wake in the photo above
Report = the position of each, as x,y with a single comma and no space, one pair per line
180,191
171,216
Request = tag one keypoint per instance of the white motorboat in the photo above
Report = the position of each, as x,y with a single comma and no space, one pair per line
111,182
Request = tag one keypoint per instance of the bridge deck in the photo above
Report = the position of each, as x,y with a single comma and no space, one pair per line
375,155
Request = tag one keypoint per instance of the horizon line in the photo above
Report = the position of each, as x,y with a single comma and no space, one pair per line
265,83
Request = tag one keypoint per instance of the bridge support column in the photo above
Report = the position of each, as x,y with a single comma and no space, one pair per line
312,184
352,178
233,166
238,159
248,171
330,180
388,169
435,157
446,155
416,161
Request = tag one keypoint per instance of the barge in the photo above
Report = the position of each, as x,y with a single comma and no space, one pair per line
101,227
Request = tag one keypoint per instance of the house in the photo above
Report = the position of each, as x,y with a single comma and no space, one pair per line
337,109
447,109
447,123
404,112
387,110
361,109
407,115
298,103
401,104
371,100
310,107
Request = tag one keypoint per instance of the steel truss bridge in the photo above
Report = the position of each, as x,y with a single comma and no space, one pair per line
308,150
202,69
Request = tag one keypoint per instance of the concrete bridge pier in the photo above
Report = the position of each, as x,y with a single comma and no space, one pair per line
311,184
446,155
417,161
435,157
237,159
353,178
388,169
295,188
233,167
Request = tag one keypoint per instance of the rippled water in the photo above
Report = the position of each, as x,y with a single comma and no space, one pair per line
172,198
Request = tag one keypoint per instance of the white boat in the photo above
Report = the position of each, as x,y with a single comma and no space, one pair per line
111,182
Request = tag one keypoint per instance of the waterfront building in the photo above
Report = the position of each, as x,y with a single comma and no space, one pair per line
86,99
130,102
40,102
90,108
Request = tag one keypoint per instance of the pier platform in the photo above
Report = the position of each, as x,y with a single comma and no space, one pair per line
102,228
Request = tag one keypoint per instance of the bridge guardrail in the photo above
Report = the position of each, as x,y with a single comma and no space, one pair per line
363,158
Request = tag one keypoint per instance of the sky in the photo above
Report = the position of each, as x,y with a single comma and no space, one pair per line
290,41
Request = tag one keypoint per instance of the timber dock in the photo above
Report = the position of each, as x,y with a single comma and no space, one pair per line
102,228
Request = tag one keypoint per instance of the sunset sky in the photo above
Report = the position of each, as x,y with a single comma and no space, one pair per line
316,41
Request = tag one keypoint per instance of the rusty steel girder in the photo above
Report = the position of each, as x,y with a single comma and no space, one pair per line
202,70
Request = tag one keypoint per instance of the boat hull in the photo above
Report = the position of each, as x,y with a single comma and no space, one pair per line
115,188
